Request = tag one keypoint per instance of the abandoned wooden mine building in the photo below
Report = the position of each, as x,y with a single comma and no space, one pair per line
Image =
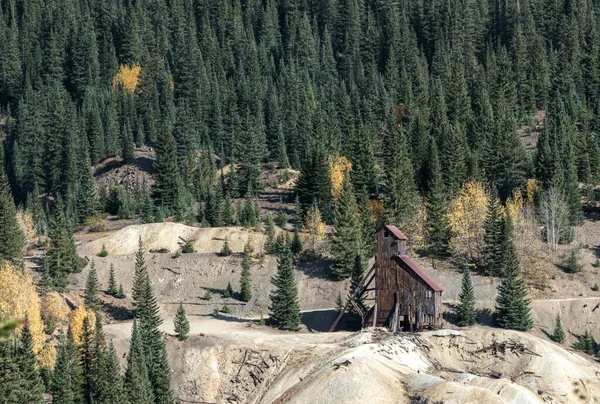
404,297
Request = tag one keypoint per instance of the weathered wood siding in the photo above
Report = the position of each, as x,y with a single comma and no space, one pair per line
418,304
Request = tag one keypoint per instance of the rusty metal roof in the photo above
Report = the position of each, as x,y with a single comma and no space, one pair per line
412,265
398,235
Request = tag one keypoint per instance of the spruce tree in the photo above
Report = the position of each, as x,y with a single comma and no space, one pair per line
61,255
182,325
32,386
137,380
92,287
559,333
493,239
121,293
285,310
466,307
347,232
270,233
245,280
512,302
228,293
63,389
111,376
112,283
437,232
225,250
12,239
296,245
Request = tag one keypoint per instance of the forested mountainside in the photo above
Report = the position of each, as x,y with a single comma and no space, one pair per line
401,88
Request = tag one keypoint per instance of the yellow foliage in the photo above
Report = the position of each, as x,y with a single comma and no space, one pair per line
26,223
415,227
532,187
514,207
18,298
96,223
47,357
128,77
377,209
314,226
54,307
466,215
338,167
76,322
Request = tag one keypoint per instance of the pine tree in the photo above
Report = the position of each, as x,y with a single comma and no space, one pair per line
347,232
32,386
137,380
339,302
112,283
228,293
12,239
493,240
166,173
559,333
466,308
63,389
92,287
285,310
61,255
182,325
437,232
270,233
512,303
225,250
245,280
297,244
111,376
146,313
121,293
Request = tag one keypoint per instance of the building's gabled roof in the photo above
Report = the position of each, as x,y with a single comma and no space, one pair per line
419,272
397,234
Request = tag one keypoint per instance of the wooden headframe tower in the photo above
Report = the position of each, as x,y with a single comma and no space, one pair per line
404,297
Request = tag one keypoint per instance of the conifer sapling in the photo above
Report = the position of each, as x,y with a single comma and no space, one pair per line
559,333
182,325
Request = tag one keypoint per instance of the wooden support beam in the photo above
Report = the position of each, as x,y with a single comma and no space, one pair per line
394,327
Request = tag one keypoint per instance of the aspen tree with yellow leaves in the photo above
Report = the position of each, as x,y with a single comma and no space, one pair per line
466,215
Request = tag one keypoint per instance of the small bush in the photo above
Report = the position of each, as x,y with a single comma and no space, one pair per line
595,288
228,291
103,252
120,294
226,309
586,343
96,224
216,311
188,247
176,255
596,263
207,295
261,320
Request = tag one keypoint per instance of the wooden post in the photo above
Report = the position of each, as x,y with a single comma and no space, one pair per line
394,327
375,315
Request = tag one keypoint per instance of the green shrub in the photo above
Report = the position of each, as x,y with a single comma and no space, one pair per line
103,252
226,309
595,288
207,295
226,250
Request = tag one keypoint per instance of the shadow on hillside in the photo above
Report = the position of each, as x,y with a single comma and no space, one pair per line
482,316
118,313
322,320
317,267
142,163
